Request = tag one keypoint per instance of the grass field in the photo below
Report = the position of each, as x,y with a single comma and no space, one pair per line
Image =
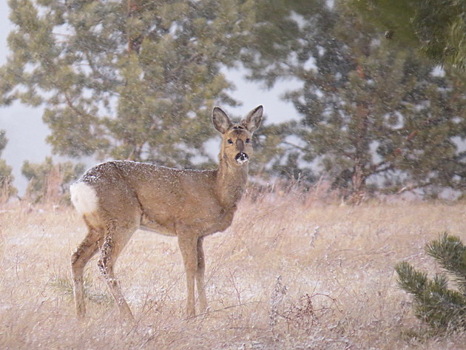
290,273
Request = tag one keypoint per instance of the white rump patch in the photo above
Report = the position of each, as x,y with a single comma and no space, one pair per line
84,198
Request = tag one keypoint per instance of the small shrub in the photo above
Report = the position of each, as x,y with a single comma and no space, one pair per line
440,307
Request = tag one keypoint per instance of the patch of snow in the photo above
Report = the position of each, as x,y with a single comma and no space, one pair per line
438,71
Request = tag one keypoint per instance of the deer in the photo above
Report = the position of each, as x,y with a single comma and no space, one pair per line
118,197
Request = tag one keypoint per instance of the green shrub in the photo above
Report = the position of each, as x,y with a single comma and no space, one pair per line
442,308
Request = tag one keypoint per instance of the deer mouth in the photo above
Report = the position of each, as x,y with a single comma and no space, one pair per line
242,158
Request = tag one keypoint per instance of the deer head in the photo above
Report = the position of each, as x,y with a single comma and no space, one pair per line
236,147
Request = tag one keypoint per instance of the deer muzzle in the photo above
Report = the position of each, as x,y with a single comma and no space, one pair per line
241,158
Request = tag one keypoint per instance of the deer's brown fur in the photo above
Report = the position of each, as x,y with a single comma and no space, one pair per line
118,197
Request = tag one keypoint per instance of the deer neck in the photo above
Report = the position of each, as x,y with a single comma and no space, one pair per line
231,183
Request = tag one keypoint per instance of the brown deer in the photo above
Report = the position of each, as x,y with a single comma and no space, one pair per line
118,197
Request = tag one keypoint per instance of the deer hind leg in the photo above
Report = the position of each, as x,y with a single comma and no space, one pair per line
115,240
86,250
200,276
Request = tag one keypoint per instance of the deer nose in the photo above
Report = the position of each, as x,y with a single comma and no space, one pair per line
240,145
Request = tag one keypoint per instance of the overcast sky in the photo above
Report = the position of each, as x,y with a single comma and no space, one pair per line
26,132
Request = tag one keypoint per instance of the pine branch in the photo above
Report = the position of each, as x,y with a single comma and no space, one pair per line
450,252
410,280
295,146
442,308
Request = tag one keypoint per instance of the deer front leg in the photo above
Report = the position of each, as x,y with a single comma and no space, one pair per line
188,248
200,276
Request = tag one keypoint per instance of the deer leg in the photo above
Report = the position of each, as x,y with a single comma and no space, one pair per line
114,243
200,276
79,259
189,252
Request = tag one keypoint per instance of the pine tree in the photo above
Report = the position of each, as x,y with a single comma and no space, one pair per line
49,182
370,116
130,79
437,29
7,189
442,308
275,42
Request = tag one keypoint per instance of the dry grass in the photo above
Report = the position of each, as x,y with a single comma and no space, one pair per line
288,274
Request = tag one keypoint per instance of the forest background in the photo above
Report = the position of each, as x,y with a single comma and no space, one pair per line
378,88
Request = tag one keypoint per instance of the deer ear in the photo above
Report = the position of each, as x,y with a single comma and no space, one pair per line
253,119
221,121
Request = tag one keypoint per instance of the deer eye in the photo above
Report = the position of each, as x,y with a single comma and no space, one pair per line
230,141
248,140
